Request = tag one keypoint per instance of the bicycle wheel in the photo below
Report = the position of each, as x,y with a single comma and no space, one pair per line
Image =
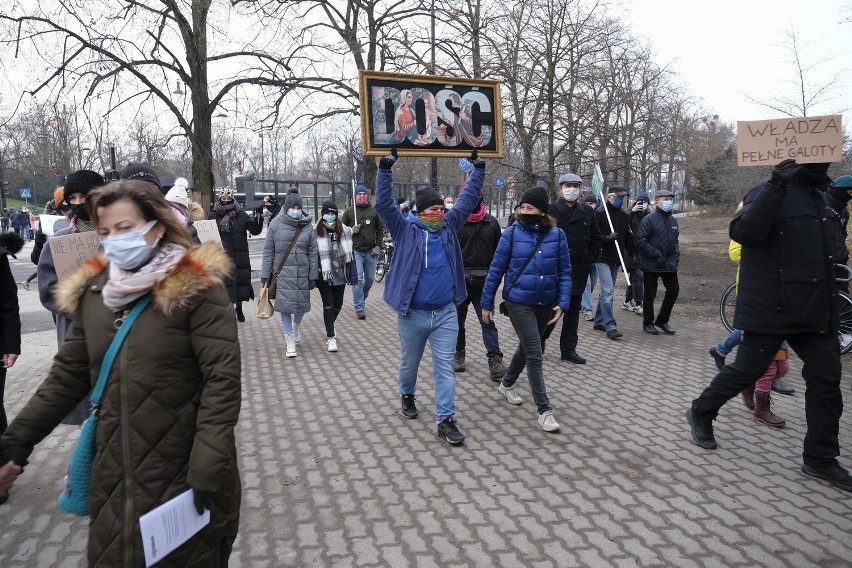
381,265
727,306
845,331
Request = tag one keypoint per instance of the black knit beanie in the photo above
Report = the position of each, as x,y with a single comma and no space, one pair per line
426,198
81,181
537,197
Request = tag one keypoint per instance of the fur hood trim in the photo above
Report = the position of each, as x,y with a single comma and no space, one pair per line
201,268
11,243
196,212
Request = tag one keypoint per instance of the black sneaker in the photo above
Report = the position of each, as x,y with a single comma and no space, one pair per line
409,410
834,474
702,430
717,358
448,430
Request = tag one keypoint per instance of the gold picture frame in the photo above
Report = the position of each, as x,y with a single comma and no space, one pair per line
425,115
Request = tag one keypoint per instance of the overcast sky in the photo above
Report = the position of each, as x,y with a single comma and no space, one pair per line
726,49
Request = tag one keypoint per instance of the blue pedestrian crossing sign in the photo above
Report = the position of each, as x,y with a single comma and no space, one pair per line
26,193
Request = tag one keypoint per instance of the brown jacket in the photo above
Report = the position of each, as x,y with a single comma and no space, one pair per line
167,417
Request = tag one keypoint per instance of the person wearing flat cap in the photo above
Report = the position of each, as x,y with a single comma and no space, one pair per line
659,253
533,261
615,225
425,285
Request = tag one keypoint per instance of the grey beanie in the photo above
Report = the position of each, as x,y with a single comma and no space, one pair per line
293,199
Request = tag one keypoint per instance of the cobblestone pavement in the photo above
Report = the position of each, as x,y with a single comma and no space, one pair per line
333,475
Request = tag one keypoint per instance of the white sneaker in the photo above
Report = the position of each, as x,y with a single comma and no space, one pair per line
638,309
510,394
291,345
297,335
627,306
332,344
547,422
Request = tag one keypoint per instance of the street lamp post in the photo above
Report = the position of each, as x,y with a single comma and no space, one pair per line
262,170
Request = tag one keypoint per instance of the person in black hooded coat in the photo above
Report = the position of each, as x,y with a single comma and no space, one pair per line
234,224
787,290
10,326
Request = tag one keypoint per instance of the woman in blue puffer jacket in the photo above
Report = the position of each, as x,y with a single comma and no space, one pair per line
533,257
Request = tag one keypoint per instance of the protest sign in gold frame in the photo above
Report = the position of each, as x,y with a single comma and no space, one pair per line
424,115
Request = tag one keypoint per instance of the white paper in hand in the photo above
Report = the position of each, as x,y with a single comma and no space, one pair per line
170,525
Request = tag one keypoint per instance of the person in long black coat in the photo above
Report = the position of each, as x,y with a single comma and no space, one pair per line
234,225
578,222
10,325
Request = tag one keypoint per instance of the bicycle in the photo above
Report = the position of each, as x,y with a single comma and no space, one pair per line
383,263
728,304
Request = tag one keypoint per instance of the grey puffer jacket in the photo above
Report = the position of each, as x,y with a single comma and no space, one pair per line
299,274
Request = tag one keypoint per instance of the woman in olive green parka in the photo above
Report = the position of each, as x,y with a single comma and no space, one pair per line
172,399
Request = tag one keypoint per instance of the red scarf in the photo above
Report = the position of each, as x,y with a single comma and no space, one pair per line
478,215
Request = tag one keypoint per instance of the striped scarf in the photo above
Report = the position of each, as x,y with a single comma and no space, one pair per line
334,250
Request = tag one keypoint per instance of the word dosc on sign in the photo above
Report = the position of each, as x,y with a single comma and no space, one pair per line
812,139
422,115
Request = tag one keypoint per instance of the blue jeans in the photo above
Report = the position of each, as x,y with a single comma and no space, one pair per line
287,320
586,306
25,232
366,264
490,337
727,345
440,327
606,275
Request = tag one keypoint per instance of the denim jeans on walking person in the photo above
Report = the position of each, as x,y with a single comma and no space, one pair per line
529,323
727,345
287,321
489,331
606,276
366,264
586,306
440,327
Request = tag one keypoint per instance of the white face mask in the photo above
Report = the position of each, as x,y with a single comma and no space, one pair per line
130,250
571,193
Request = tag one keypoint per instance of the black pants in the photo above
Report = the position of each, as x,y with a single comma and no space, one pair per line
636,290
568,337
820,355
332,302
672,290
3,422
490,336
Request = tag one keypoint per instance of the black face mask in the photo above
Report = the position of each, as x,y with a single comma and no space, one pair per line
80,212
530,217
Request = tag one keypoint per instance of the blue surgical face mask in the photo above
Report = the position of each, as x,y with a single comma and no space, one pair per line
294,213
448,206
130,250
667,205
618,202
330,219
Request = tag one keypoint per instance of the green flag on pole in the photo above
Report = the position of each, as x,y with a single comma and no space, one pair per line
598,182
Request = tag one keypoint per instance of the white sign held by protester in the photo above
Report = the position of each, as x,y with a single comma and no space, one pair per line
52,223
208,232
69,251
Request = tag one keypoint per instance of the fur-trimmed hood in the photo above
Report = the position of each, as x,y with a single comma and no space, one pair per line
201,268
11,243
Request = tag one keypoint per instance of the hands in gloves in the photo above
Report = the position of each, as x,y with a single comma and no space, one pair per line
784,172
203,500
610,238
387,162
356,229
476,160
376,250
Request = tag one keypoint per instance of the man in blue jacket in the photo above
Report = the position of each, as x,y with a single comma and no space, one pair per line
425,284
659,249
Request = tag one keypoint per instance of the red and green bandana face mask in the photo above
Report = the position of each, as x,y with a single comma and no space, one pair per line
433,220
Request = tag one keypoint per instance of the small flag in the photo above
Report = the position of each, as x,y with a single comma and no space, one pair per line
598,182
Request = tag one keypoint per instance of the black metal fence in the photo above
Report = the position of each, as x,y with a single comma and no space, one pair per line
314,193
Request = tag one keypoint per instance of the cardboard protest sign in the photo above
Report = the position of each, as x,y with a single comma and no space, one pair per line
812,139
69,251
52,223
422,115
208,232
